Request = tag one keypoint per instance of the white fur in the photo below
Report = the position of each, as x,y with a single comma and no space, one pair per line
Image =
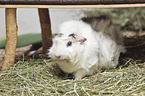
98,51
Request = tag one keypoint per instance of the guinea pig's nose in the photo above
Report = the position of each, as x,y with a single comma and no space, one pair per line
58,56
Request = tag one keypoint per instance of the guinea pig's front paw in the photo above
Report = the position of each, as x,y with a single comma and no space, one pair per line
80,74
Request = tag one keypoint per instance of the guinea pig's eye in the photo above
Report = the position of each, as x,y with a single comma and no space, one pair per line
69,43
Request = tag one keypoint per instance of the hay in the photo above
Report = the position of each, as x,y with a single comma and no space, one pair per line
37,78
41,77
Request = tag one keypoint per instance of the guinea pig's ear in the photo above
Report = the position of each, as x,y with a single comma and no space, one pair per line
78,38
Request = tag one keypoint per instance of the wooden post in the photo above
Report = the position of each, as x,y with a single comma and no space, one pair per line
45,28
11,37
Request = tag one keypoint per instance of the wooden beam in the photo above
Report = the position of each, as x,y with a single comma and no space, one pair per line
11,38
73,6
45,29
70,2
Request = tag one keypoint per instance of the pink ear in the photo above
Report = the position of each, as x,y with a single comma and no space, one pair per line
80,38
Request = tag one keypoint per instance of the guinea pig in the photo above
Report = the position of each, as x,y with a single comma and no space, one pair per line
80,50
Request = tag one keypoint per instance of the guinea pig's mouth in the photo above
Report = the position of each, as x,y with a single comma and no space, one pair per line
61,59
64,60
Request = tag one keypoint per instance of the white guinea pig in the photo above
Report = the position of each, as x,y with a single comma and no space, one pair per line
80,50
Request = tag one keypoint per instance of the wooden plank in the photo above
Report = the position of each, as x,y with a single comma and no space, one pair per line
73,6
69,2
11,38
